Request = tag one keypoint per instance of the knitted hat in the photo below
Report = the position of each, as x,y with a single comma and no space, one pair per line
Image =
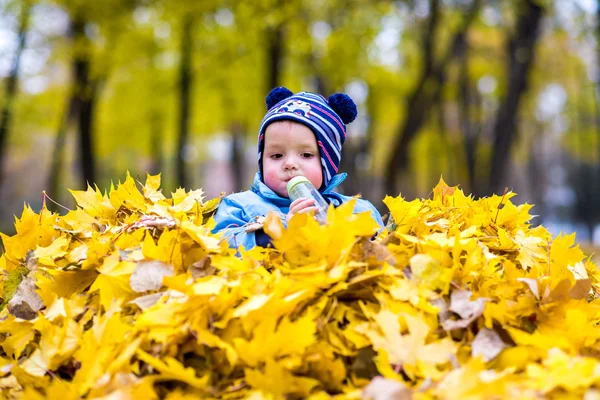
327,118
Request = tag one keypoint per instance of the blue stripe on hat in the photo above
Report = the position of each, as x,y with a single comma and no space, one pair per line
318,125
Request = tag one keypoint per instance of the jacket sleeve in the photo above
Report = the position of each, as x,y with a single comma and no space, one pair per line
367,206
376,215
231,220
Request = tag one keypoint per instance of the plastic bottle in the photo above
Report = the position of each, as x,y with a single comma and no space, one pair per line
299,187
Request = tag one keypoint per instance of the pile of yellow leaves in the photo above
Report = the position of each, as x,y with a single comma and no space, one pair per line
131,296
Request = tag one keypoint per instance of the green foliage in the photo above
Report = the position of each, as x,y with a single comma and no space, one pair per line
134,51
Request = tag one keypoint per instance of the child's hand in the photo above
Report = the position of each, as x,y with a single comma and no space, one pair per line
300,206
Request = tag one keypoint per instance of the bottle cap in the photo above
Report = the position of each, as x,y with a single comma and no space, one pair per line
296,180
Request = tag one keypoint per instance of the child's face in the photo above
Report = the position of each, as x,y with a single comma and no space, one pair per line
290,150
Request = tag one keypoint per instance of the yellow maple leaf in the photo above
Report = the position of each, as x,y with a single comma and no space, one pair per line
94,203
151,188
189,201
113,281
564,253
560,370
532,249
429,271
97,250
127,195
21,334
32,230
47,255
80,221
442,191
35,365
474,381
405,213
106,348
58,342
271,341
279,381
405,349
202,236
171,369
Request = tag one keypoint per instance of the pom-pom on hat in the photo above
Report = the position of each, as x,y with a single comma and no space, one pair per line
327,118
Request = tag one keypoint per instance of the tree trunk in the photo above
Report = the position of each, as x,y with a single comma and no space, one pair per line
79,109
156,118
425,91
596,181
465,115
320,81
11,86
371,187
274,42
87,100
238,162
185,82
597,93
59,145
521,50
156,140
84,100
447,170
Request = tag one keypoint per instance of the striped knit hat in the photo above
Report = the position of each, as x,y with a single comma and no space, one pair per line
327,118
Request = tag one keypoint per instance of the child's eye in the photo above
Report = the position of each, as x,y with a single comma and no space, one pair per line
276,156
306,155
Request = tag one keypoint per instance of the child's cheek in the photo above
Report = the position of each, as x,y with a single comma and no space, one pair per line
315,175
270,178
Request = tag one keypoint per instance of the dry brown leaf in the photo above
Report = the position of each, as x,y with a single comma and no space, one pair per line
581,289
532,284
151,221
202,268
26,302
488,344
147,301
377,251
442,306
468,310
386,389
148,275
256,225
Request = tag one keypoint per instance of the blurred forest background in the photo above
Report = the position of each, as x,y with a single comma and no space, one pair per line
488,93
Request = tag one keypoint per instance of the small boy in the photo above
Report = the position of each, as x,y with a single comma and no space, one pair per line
301,134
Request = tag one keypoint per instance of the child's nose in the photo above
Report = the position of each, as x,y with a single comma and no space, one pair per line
290,163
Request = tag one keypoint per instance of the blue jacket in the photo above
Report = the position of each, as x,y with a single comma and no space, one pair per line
238,209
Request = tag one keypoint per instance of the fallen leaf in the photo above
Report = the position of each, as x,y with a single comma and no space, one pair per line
151,221
255,225
26,302
377,251
468,310
202,268
532,284
487,344
386,389
147,301
148,275
581,289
